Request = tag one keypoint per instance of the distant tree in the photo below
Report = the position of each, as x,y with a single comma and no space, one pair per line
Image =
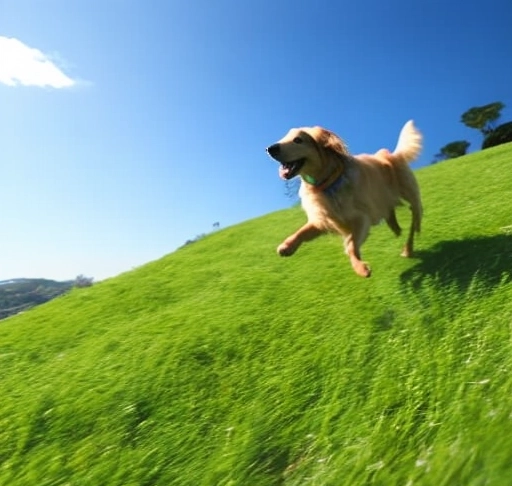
452,150
483,117
501,134
82,281
193,240
200,236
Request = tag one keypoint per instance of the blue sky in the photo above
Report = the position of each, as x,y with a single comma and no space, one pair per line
130,126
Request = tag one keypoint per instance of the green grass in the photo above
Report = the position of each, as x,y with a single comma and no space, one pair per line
223,364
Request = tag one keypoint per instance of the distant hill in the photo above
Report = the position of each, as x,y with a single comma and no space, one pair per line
19,294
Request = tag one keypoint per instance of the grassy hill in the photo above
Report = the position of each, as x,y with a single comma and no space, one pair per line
223,364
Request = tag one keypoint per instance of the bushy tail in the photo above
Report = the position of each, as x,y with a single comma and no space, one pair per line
409,143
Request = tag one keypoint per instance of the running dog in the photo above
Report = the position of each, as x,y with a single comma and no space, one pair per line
347,194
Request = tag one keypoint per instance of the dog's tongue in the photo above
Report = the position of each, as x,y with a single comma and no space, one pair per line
283,172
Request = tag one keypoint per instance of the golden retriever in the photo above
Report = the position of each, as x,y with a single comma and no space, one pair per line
347,194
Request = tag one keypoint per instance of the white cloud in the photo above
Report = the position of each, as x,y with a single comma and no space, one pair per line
24,65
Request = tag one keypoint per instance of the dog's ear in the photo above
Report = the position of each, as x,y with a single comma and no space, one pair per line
329,141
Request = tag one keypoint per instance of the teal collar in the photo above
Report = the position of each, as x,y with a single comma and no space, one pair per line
329,185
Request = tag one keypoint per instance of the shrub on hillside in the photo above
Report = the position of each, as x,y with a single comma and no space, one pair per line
82,281
501,134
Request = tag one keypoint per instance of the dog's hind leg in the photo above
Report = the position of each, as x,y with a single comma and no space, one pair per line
393,223
408,249
410,191
289,246
409,244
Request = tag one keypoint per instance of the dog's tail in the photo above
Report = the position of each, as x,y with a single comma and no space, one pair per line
409,143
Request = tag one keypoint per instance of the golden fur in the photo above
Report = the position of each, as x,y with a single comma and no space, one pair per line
348,194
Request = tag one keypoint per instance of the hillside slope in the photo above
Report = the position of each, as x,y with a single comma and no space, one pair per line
223,364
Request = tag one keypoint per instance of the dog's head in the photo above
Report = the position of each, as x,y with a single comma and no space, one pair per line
307,151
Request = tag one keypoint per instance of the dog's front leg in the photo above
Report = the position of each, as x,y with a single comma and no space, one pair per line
307,233
353,242
352,249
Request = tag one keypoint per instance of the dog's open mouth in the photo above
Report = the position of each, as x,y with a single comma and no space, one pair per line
290,169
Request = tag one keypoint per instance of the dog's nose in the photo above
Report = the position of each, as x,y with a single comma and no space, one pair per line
273,150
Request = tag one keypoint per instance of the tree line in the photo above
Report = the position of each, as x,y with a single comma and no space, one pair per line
482,118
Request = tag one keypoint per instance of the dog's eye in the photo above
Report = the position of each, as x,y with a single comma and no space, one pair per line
297,140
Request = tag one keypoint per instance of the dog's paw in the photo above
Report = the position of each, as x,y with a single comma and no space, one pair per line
362,269
407,252
285,250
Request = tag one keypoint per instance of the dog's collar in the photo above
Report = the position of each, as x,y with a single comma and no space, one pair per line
331,183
